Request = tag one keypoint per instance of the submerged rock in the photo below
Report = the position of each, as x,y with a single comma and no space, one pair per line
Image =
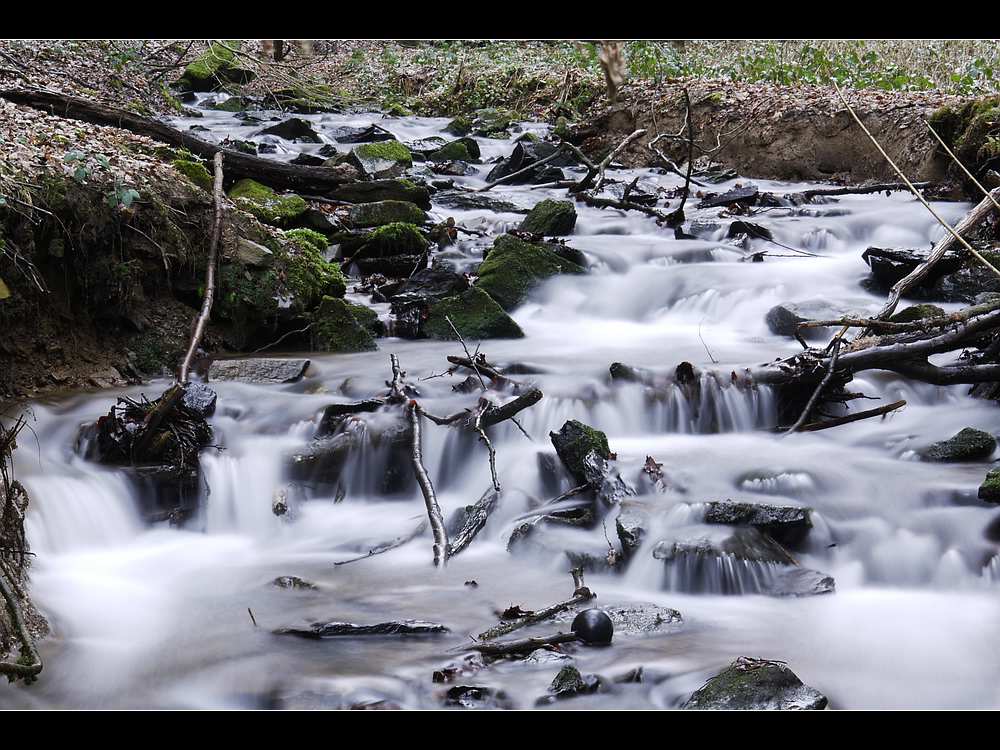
756,685
258,370
632,525
514,267
472,201
635,619
967,445
475,315
550,218
784,319
574,442
294,582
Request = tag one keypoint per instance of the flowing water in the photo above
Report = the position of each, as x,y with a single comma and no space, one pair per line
154,616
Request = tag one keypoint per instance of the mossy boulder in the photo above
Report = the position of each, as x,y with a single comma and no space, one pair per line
368,318
381,160
397,238
989,490
385,212
214,68
967,445
384,190
550,218
232,104
476,316
309,276
461,125
463,149
336,329
267,205
513,267
754,685
306,238
914,313
194,171
492,122
395,109
574,442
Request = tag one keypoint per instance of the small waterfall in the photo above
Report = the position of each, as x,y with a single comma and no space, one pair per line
725,573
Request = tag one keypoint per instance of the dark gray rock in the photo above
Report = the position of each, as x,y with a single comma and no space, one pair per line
294,582
784,319
634,619
746,196
476,201
632,524
967,445
368,134
756,685
476,697
787,524
200,399
351,630
293,129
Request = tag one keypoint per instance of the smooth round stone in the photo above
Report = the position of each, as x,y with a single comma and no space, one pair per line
593,627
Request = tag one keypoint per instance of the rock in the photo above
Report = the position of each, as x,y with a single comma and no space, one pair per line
322,463
989,490
703,562
569,683
786,524
293,129
253,254
635,619
258,370
383,160
385,212
525,154
396,238
455,168
461,125
745,196
294,582
200,399
890,265
368,319
194,171
593,627
476,201
467,696
335,329
917,312
267,205
754,685
351,630
463,149
431,284
214,68
474,314
754,231
383,190
967,445
369,134
632,524
784,319
574,442
514,267
308,160
391,266
550,218
609,486
165,492
489,122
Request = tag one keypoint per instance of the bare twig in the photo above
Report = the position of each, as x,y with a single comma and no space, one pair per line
819,389
427,489
581,594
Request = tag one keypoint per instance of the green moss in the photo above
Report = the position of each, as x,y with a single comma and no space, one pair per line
247,300
388,150
395,109
967,445
562,128
151,352
397,238
335,328
232,104
476,316
386,212
309,276
265,204
194,171
574,442
205,71
514,267
306,238
550,218
972,130
368,318
989,490
454,151
461,125
917,312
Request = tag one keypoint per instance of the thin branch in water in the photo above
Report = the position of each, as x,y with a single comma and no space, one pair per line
426,488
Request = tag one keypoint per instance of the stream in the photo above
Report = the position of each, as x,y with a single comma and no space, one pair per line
152,616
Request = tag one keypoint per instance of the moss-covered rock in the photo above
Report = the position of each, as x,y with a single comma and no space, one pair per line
574,442
368,318
514,267
476,316
989,490
381,160
756,684
336,329
194,171
551,218
463,149
215,67
385,212
309,276
461,125
395,109
306,238
917,312
492,122
397,238
232,104
267,205
383,190
967,445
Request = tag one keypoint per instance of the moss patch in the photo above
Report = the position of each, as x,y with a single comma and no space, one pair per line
454,151
368,318
309,276
514,267
335,328
967,445
194,171
267,205
215,65
306,238
397,238
476,316
386,212
917,312
551,218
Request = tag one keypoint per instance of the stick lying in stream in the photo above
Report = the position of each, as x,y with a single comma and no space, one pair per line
581,594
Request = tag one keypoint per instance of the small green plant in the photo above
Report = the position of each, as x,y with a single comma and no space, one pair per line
84,166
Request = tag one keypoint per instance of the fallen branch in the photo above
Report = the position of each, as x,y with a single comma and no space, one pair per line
427,489
581,594
597,170
534,165
475,520
827,424
29,664
878,187
213,249
819,389
522,646
384,547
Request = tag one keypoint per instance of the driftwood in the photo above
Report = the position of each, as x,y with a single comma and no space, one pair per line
427,489
276,174
476,517
383,547
581,594
319,630
523,646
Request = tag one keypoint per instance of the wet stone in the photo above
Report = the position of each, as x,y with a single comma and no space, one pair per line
258,370
756,685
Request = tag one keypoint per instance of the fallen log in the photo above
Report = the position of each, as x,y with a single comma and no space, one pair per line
856,417
472,522
581,594
318,630
276,174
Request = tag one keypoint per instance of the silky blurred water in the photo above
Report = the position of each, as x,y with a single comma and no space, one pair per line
154,616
